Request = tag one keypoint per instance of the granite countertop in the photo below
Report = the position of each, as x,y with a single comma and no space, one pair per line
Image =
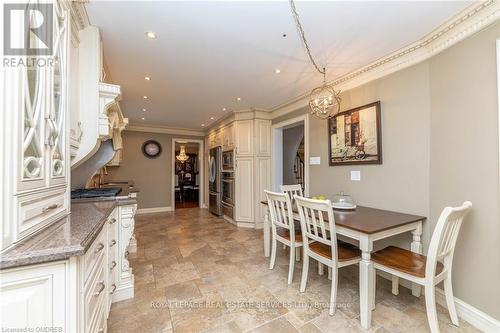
70,236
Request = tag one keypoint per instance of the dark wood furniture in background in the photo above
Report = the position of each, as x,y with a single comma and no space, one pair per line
187,173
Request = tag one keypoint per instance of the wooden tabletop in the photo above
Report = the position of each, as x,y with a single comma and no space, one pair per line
369,220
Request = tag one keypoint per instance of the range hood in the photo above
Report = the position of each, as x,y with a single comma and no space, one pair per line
81,174
99,111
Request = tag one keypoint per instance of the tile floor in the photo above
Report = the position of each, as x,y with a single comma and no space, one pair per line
197,273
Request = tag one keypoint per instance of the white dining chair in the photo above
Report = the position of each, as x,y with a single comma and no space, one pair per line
292,190
429,270
283,228
320,242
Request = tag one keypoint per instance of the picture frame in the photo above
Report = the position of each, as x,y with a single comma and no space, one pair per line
355,136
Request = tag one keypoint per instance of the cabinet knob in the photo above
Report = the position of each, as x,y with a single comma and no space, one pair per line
99,247
101,288
112,221
113,265
113,289
112,243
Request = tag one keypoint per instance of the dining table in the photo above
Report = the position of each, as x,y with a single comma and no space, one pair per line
366,225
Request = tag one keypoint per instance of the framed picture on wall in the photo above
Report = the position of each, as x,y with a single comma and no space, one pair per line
355,136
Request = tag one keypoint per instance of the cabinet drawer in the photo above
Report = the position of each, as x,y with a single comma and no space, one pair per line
95,292
98,323
94,254
37,210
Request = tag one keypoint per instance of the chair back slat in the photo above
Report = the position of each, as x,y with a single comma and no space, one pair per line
292,190
317,222
444,237
280,211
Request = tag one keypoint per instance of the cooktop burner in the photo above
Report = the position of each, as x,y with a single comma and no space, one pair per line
95,192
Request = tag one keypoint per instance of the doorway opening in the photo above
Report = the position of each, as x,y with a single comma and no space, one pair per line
187,191
291,153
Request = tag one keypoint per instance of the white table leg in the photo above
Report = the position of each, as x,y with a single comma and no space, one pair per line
267,234
416,246
366,276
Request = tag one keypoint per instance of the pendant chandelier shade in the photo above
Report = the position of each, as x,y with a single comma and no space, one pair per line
324,101
182,157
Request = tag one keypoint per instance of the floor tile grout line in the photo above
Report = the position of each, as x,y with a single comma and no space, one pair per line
267,322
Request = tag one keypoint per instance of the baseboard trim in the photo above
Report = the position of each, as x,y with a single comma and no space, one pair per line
154,210
465,311
470,314
250,225
122,294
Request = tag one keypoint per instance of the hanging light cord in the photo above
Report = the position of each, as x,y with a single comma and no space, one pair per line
304,40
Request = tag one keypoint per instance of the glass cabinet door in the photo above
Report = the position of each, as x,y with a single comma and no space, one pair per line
33,101
56,122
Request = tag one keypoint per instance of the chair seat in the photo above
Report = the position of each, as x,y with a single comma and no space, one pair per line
345,251
285,233
404,261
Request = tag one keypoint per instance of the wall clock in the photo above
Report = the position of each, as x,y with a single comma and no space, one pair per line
151,149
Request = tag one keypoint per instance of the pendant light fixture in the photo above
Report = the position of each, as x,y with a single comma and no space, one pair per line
182,157
324,101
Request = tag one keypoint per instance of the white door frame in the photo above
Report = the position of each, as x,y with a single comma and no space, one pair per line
201,163
277,151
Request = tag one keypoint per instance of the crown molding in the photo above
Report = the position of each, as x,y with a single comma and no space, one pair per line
246,114
471,20
133,127
79,19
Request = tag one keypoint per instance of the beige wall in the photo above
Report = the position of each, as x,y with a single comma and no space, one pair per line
440,147
464,161
153,177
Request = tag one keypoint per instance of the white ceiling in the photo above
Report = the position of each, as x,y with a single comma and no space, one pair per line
207,54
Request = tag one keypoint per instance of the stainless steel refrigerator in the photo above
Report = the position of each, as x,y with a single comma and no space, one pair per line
214,181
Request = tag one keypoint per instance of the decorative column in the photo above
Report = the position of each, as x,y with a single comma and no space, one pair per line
125,279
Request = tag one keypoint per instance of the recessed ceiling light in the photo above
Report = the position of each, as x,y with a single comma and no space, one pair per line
277,71
150,35
238,99
142,118
145,97
224,109
144,110
147,78
202,125
211,118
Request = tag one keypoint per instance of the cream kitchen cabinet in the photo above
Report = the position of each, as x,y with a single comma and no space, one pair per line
37,296
244,191
251,141
262,137
244,137
262,182
35,135
74,294
228,137
211,140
